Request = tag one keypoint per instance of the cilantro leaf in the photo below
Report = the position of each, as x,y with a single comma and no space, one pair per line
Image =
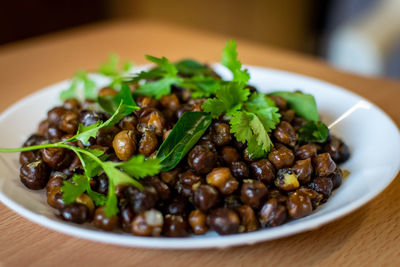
313,131
80,81
192,67
249,128
110,67
164,64
304,104
265,109
146,75
73,190
229,98
110,103
230,60
139,167
157,88
202,86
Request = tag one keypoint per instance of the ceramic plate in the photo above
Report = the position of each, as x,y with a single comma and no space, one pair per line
373,139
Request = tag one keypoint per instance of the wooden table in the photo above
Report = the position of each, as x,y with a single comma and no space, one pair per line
369,236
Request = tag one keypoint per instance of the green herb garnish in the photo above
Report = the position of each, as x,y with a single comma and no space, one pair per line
110,103
94,160
313,131
80,81
185,134
304,104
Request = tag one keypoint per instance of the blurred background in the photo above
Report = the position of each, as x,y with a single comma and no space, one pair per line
360,36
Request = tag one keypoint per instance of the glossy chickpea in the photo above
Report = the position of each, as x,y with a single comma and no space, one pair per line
149,223
322,185
43,128
272,213
150,119
285,134
278,195
221,134
84,199
281,157
170,102
124,144
202,159
303,170
146,102
53,196
240,170
232,201
75,212
298,122
170,177
128,123
222,179
141,200
148,143
248,157
53,133
314,196
126,218
107,91
178,206
280,102
33,140
205,197
54,116
338,150
27,157
89,117
57,158
248,219
197,221
229,154
253,193
286,179
71,104
75,165
299,205
186,183
101,184
162,188
336,177
55,180
175,226
34,175
263,170
288,115
100,220
305,152
69,122
323,165
224,221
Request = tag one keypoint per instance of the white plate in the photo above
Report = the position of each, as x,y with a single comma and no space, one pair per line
373,138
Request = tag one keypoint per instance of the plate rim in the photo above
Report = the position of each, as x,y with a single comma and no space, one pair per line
209,241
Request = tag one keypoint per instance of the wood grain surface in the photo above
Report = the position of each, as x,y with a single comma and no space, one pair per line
368,237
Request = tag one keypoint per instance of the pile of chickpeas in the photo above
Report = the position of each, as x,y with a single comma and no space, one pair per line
217,186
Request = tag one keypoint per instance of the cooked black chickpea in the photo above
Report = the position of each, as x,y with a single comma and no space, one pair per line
34,175
100,220
253,193
205,197
124,144
75,212
175,226
323,164
322,185
224,221
303,169
197,221
221,134
272,213
222,179
248,219
281,157
299,205
285,134
240,170
202,159
263,170
148,143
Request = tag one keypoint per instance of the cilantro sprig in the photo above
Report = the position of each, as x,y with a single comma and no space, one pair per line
80,82
94,161
252,117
